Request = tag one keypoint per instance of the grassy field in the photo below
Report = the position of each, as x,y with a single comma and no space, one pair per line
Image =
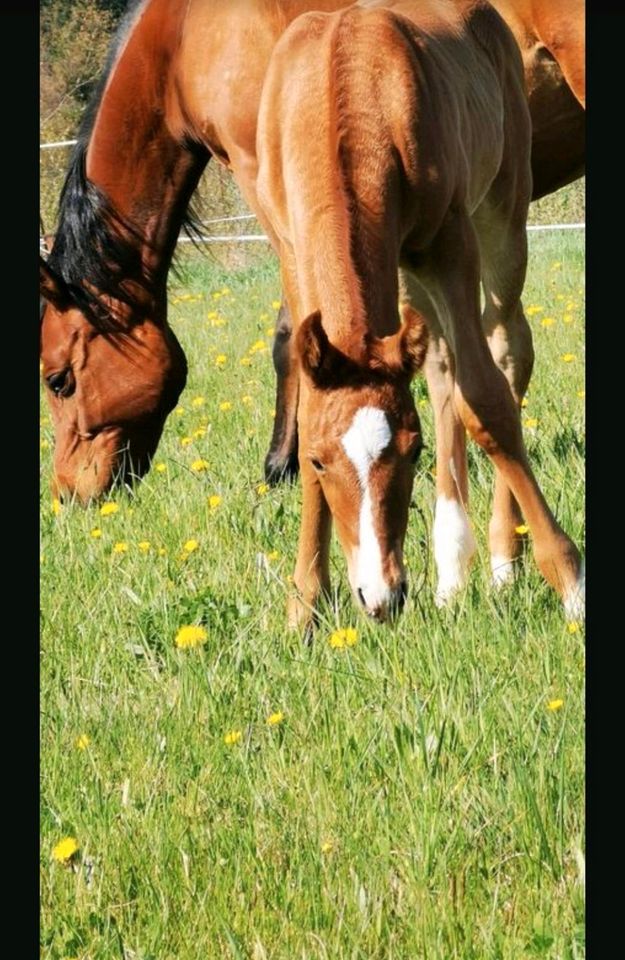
417,795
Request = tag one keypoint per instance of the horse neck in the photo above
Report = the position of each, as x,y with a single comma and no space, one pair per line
342,186
137,155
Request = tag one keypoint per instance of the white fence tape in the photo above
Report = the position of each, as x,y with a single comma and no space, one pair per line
255,237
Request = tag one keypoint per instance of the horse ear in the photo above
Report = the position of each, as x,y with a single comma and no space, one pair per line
52,287
413,339
319,359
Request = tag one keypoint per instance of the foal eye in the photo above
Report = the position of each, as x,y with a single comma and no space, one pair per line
317,464
60,383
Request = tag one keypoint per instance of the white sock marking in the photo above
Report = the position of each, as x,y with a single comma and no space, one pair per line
368,435
502,569
575,600
454,545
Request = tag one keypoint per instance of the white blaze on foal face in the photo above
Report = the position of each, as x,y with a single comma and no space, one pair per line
367,438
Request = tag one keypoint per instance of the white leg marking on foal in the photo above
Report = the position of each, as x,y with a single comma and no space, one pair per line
368,435
502,569
454,545
575,600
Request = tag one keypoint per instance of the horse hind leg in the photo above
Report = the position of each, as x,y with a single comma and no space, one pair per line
487,408
281,462
503,254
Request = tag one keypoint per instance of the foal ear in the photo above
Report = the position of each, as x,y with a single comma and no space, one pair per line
320,360
413,339
52,287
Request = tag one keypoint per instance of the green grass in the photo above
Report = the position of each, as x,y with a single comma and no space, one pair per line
418,800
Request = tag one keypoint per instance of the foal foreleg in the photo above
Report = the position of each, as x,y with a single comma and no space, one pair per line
454,543
312,570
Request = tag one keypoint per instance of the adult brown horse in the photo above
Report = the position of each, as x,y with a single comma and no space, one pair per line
420,159
182,83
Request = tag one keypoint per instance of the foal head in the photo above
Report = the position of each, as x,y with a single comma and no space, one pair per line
360,432
109,391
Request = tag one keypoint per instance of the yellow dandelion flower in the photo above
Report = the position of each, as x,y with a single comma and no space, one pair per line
96,533
180,411
82,742
567,318
225,291
423,402
225,405
568,357
144,546
197,402
214,500
274,555
345,637
327,846
547,322
107,509
65,849
217,295
531,423
270,331
276,304
120,547
581,394
232,737
554,705
262,489
245,362
199,433
524,402
162,551
556,266
258,345
160,467
246,399
199,465
571,305
191,636
56,506
43,444
275,718
185,441
533,309
522,529
221,359
573,626
190,546
211,315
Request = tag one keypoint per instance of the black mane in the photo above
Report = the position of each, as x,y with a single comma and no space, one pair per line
94,247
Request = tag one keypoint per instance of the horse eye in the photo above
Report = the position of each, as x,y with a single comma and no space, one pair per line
317,465
60,383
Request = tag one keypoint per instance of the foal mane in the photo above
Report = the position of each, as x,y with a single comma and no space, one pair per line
95,247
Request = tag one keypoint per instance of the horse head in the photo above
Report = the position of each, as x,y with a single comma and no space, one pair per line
110,387
360,432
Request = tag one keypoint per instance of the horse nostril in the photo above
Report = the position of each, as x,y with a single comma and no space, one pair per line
361,597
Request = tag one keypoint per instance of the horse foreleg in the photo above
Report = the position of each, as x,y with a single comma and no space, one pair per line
454,543
312,570
281,460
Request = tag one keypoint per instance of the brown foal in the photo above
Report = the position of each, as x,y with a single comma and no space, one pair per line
398,135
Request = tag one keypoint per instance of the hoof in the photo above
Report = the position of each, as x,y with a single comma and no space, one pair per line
280,469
